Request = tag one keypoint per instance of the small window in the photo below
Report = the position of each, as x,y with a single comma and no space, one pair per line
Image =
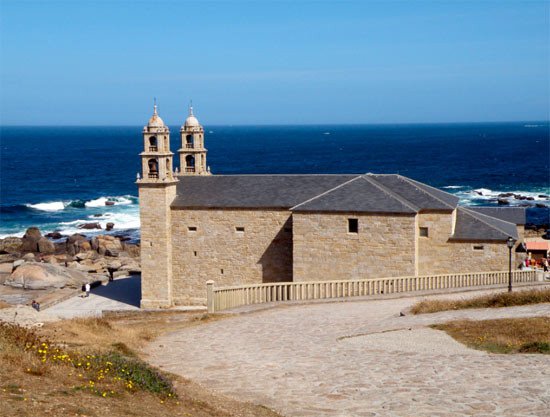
192,228
353,225
195,253
239,229
478,247
423,232
221,271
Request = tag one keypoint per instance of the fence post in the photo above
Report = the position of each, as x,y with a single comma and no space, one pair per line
210,296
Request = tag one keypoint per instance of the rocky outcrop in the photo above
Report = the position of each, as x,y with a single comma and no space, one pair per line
73,243
90,226
47,264
30,240
11,244
45,245
40,276
54,235
109,226
107,245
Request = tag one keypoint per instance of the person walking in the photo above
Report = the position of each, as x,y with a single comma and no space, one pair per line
87,288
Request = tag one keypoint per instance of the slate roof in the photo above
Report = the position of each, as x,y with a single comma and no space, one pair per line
514,215
252,191
332,193
361,194
472,225
419,194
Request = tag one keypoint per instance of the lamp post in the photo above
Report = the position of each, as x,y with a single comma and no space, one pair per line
510,243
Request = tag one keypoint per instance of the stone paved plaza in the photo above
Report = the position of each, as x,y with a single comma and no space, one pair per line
358,359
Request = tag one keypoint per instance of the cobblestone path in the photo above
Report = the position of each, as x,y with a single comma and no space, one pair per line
358,359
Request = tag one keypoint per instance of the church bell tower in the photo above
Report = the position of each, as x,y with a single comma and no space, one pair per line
157,190
192,152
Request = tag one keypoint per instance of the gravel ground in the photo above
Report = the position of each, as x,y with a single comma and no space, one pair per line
358,359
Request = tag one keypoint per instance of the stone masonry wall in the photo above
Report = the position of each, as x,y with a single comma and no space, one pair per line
438,255
324,250
217,251
156,254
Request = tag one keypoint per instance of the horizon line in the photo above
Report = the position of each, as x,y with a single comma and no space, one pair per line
289,124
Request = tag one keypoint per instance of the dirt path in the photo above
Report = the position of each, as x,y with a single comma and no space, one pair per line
358,359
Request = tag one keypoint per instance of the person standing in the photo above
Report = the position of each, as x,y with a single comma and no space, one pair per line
87,288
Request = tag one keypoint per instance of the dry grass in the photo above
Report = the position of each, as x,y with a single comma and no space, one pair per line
32,386
504,299
522,335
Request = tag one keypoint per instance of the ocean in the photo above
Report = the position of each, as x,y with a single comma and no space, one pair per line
57,178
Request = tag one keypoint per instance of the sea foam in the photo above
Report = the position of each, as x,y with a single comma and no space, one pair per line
53,206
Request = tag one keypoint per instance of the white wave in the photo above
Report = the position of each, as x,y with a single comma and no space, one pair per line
485,195
14,234
129,219
454,186
118,201
98,202
53,206
484,191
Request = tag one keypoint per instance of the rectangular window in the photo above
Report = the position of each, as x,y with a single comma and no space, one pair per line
192,228
478,247
423,232
195,253
353,225
239,229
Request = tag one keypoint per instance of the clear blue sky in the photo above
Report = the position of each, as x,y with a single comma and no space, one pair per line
102,62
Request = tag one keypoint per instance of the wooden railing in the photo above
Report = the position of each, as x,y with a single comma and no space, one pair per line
229,297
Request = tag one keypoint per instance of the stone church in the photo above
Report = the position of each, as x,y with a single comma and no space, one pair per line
237,229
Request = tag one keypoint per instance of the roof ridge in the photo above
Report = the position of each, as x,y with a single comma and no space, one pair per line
412,182
386,190
325,192
277,175
476,216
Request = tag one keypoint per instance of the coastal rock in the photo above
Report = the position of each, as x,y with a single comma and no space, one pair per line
90,226
54,235
114,265
17,264
107,245
28,257
109,226
8,258
85,255
502,202
50,259
45,245
109,203
73,243
5,271
85,246
544,196
506,195
10,244
38,276
131,249
541,205
30,240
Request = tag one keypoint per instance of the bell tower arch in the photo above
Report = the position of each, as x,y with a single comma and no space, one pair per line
192,152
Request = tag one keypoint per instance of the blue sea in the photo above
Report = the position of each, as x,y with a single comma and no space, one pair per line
58,178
